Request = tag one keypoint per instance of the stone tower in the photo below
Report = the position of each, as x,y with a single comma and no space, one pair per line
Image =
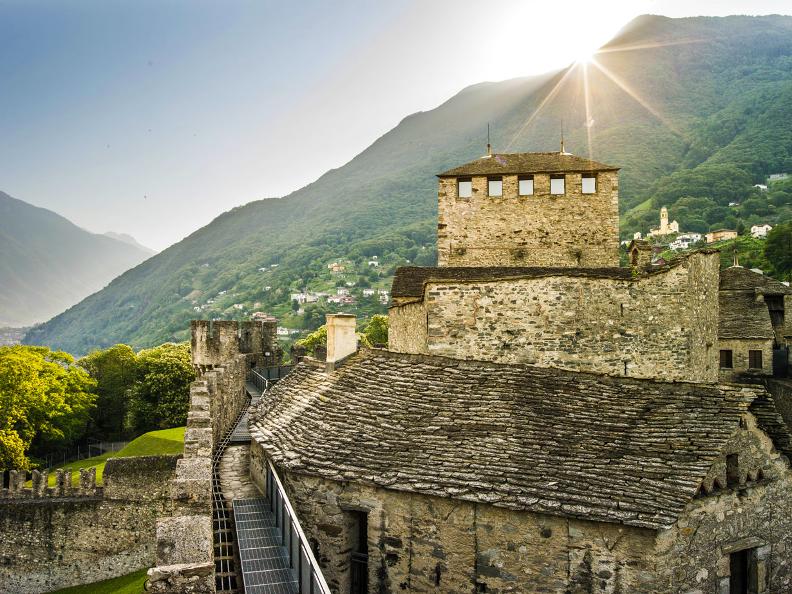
663,218
529,209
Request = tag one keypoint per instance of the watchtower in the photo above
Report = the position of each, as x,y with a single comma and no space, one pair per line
529,209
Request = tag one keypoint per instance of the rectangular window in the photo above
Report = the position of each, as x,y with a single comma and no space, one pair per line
495,186
726,359
464,187
557,184
525,185
754,359
589,184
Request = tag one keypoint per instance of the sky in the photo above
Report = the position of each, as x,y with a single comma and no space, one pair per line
152,117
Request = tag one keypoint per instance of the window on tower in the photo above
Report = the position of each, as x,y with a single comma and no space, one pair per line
557,184
464,187
495,186
525,185
589,184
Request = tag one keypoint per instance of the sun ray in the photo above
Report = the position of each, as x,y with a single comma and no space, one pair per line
640,46
553,92
642,102
587,104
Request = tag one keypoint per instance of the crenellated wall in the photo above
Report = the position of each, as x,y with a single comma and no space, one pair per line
55,537
223,352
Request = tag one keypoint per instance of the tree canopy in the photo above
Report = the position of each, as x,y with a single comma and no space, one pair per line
44,397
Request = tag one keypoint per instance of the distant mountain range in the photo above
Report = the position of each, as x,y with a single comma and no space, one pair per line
48,264
695,108
126,238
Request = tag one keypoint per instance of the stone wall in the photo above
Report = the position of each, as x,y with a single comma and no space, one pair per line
693,556
573,229
739,349
655,325
216,342
419,543
64,536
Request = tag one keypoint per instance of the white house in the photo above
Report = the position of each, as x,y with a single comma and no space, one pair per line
368,292
760,231
762,187
342,291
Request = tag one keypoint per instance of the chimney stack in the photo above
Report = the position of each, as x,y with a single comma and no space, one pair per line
341,338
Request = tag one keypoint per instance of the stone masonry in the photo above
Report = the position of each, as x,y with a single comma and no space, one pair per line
543,229
55,537
660,324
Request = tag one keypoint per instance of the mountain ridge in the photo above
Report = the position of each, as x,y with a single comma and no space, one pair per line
48,263
659,122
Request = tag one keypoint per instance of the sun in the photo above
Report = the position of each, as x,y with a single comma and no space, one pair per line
585,55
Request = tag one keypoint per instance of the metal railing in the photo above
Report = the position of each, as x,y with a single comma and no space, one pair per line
301,558
264,377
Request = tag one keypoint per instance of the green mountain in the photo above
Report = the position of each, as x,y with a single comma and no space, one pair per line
677,103
48,264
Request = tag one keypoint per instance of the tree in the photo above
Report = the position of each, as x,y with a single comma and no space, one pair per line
161,392
114,371
43,397
314,339
778,249
376,332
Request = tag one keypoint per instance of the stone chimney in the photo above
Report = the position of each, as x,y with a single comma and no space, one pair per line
341,338
640,252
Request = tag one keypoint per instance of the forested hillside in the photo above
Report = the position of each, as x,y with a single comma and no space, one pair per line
692,110
48,264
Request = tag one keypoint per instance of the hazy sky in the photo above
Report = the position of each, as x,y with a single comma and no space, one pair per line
151,117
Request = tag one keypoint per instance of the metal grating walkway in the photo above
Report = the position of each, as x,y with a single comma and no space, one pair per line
263,558
241,432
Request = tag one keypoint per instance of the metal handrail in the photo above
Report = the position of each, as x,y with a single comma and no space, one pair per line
261,382
301,557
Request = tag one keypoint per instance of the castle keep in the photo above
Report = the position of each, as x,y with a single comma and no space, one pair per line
529,209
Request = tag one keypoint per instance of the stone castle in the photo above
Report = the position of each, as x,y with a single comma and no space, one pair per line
542,421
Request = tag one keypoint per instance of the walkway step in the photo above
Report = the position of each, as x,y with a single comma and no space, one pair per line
263,558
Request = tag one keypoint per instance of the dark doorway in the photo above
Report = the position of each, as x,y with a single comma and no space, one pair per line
738,566
359,544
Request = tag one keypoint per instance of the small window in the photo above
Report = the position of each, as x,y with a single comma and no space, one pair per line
754,359
464,188
726,359
589,184
525,185
495,186
557,184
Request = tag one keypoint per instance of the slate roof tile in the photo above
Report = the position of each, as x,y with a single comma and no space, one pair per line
550,441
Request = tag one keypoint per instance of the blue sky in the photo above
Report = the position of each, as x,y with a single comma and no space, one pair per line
153,117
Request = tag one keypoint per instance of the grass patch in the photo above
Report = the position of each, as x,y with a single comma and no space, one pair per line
153,443
126,584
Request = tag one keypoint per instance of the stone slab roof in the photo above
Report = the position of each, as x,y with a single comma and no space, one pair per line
737,278
511,163
409,281
742,317
549,441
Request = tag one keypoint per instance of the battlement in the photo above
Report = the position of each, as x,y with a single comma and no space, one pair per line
216,342
39,489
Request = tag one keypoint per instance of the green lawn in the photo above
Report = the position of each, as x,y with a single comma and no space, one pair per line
153,443
126,584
